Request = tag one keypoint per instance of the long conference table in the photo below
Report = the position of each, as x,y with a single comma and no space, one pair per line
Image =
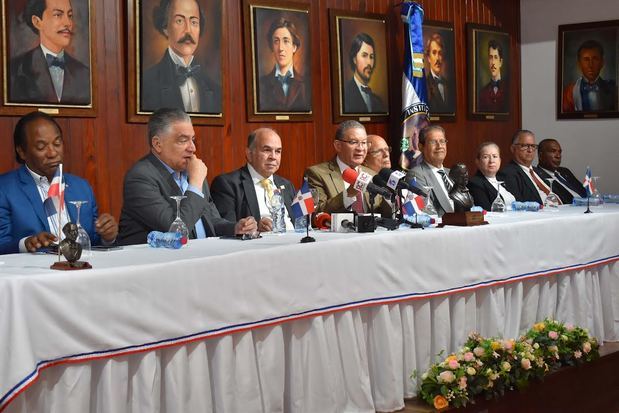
272,325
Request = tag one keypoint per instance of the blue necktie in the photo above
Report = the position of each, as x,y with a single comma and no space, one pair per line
54,61
183,73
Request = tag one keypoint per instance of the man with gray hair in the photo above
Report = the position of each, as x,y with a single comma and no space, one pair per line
520,177
244,192
335,195
171,169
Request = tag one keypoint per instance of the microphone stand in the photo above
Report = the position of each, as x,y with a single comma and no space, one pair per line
389,223
307,237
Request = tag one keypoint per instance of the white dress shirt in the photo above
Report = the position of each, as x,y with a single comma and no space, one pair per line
507,196
56,73
439,178
189,89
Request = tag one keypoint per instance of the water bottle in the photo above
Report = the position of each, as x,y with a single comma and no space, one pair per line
420,219
525,206
157,239
279,223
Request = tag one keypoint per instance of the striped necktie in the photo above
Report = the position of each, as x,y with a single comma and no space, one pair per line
446,180
540,185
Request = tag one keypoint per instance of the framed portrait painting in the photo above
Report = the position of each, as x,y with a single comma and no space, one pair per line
278,60
439,63
175,58
359,66
488,60
47,58
588,70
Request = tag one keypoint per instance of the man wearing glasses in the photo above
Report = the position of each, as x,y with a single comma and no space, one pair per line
431,172
335,195
378,154
520,178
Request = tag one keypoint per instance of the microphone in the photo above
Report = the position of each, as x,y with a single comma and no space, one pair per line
396,180
363,182
322,220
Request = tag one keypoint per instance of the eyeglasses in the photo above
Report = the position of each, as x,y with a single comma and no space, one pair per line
525,146
384,151
360,144
439,142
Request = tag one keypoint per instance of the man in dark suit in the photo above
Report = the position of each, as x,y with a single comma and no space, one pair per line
172,169
177,81
47,73
519,176
565,184
431,172
24,223
439,98
243,192
284,89
358,97
335,195
493,96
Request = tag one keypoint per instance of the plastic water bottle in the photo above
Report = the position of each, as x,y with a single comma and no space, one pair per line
420,219
525,206
157,239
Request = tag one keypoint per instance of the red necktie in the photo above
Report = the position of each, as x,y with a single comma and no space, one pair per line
357,206
539,183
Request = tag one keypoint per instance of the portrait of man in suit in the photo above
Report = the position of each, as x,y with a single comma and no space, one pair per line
49,73
177,80
439,69
285,88
493,96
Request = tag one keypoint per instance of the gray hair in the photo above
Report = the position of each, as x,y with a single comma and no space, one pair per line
251,138
161,120
344,126
519,133
426,131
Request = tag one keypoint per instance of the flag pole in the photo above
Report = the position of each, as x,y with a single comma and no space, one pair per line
60,205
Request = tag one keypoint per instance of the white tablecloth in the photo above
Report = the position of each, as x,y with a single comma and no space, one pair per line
272,325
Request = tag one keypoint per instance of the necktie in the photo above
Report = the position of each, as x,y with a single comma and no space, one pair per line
284,79
54,61
357,206
366,89
446,180
183,73
540,185
590,87
268,188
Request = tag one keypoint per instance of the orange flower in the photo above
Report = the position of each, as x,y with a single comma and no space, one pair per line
440,402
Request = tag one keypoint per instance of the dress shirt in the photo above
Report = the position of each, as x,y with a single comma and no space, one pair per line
261,196
439,178
507,196
542,194
553,175
189,89
348,200
56,73
365,95
287,72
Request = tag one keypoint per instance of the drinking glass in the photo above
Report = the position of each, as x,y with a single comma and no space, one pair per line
178,225
429,207
82,236
275,204
596,196
552,201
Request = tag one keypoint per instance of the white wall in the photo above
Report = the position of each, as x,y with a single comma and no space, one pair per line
584,142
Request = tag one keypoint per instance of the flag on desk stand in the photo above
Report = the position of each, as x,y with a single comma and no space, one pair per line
415,114
413,205
588,182
303,204
54,203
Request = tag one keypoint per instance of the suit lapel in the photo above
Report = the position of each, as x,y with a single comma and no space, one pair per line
42,78
169,89
336,183
438,191
529,184
32,193
250,192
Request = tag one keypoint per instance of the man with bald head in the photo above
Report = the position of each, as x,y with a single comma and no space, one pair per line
565,184
378,154
243,192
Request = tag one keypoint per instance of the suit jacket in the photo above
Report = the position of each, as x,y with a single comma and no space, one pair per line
424,176
234,194
22,213
435,100
30,80
327,179
160,88
354,103
484,193
518,183
493,102
573,182
148,207
272,98
607,94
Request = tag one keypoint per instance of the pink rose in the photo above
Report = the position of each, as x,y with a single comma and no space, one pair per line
462,383
507,345
586,347
479,351
553,335
446,377
453,364
468,356
577,354
525,363
569,327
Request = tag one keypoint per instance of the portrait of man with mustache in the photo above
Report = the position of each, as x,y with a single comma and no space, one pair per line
177,81
493,96
358,96
48,73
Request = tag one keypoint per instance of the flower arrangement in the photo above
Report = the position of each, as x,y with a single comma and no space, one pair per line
490,366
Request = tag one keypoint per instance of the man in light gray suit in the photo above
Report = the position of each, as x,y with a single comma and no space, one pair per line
172,168
433,146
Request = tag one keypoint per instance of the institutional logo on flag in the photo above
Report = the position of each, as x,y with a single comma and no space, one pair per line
55,195
303,203
588,182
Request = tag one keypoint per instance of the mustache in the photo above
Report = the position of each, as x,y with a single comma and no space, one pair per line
66,29
186,38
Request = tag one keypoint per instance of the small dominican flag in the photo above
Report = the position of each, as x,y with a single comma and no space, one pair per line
303,204
413,205
55,195
588,182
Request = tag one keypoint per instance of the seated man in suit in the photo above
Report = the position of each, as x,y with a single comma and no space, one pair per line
335,195
520,178
378,154
172,169
24,224
486,184
431,172
243,192
565,185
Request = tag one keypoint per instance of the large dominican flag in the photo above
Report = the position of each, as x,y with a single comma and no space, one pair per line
303,204
415,113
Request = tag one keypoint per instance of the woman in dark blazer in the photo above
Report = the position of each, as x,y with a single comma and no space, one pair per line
485,185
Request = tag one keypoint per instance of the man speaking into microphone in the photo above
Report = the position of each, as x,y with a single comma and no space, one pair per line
334,194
